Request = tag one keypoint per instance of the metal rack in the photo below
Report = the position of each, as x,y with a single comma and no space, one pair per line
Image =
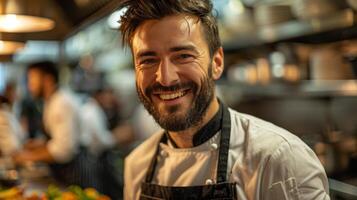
299,30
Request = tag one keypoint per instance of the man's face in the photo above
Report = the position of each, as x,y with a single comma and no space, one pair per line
35,82
174,70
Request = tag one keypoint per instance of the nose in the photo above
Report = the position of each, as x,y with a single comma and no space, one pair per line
166,73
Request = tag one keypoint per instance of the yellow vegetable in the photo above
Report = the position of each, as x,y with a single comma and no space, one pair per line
91,193
9,193
69,196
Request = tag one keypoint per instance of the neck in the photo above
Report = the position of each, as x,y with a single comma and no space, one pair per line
48,91
184,139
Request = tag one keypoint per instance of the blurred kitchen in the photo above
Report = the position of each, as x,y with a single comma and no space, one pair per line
291,62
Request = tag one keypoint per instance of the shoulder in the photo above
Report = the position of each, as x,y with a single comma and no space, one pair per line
269,144
137,163
140,155
262,136
63,100
277,154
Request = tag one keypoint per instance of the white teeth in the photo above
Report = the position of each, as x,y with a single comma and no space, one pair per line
171,96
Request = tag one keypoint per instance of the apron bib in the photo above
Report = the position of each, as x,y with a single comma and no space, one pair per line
222,190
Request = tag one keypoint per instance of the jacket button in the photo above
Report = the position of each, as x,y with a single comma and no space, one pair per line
214,146
163,153
209,182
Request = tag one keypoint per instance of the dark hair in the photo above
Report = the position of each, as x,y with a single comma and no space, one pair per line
46,67
139,11
3,100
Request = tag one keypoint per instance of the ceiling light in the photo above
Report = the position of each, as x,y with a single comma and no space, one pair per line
24,16
10,47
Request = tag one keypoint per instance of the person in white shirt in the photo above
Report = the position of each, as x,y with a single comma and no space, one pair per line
99,140
62,125
11,134
95,134
207,151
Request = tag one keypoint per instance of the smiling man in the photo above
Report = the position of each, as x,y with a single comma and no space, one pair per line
207,150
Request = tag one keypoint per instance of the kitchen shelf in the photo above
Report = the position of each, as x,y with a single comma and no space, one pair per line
323,29
307,88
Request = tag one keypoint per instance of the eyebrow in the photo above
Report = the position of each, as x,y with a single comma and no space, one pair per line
184,47
145,53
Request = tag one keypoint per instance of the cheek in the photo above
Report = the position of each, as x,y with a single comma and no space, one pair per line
33,85
196,75
142,81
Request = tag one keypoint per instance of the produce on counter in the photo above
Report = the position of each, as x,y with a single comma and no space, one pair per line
13,193
54,193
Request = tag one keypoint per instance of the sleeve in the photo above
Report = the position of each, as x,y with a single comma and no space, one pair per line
64,141
294,172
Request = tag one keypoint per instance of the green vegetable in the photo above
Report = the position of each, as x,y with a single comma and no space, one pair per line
79,192
53,192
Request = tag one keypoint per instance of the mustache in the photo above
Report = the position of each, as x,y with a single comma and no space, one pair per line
157,87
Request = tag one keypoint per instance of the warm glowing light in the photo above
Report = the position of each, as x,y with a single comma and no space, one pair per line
10,47
113,20
24,23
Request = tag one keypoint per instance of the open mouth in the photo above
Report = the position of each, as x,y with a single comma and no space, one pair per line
172,95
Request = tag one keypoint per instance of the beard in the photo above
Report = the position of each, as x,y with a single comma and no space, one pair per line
174,121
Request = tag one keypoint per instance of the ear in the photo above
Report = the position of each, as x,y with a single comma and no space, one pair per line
217,64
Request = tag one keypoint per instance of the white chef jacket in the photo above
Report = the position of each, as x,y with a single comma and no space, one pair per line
266,162
62,123
95,134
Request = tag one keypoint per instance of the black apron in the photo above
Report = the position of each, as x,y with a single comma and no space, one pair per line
81,170
222,190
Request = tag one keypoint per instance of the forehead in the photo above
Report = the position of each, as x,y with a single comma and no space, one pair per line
168,32
34,72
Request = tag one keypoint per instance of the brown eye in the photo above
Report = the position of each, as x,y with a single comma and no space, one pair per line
186,56
149,62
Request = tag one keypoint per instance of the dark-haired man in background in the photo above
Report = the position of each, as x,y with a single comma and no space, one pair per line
207,150
61,125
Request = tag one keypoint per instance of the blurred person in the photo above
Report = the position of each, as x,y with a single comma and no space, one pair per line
144,125
101,143
10,93
95,134
30,116
27,110
110,105
61,124
207,150
11,134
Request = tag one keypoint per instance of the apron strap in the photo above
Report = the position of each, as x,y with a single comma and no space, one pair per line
224,146
151,171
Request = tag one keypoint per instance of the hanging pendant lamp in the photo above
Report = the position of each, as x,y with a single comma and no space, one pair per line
10,47
25,16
